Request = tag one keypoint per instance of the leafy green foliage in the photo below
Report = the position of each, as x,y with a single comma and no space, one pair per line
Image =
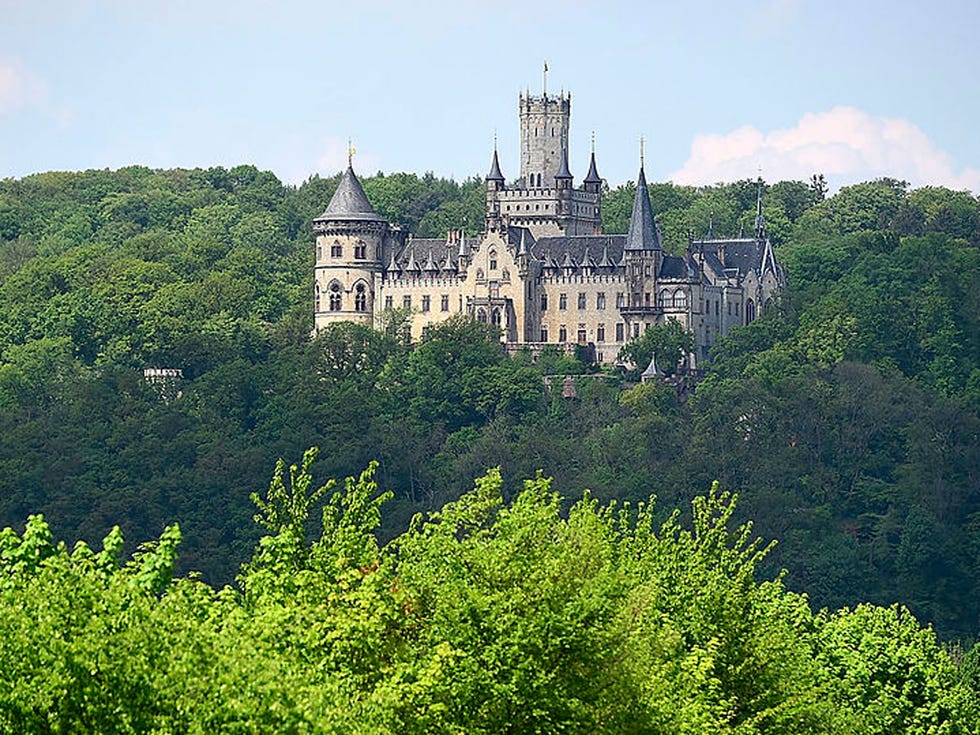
485,616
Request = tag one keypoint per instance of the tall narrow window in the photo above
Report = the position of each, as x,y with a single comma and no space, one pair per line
544,306
389,302
407,301
562,334
581,301
360,297
360,250
426,304
600,333
318,297
544,334
619,331
600,300
444,302
336,250
335,297
563,301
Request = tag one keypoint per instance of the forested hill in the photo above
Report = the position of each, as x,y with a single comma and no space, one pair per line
848,420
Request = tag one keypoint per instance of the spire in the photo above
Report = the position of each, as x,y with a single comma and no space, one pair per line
393,268
642,234
604,261
522,247
464,251
711,226
563,173
587,261
495,174
430,263
593,176
349,202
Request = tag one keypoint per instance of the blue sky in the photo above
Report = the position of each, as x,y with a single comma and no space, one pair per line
719,90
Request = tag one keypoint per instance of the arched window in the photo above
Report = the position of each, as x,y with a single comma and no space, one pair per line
360,297
680,299
768,305
318,297
493,260
336,250
481,316
495,317
335,296
664,299
749,311
360,250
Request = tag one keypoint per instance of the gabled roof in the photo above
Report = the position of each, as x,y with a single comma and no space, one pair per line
349,202
642,234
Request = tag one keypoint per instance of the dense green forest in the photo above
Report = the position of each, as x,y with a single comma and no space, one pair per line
847,420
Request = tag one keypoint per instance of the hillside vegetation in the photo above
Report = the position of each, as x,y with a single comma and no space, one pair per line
847,420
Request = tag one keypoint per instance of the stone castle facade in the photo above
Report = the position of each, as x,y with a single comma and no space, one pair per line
542,271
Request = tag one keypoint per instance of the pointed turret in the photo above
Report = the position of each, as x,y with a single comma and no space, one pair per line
642,234
522,247
563,179
604,261
495,179
430,264
349,202
592,181
393,270
652,372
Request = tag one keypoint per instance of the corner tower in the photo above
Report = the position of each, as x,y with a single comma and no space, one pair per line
349,240
544,132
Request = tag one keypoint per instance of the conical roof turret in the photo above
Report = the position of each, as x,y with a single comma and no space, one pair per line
642,234
349,202
593,176
563,172
495,174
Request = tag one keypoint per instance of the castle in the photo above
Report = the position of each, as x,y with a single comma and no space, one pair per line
542,271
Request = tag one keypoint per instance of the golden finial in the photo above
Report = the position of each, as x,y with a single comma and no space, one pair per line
350,154
641,152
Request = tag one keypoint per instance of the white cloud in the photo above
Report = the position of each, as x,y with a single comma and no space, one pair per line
845,144
18,87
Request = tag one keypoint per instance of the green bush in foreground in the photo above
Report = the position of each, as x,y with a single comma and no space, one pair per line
484,617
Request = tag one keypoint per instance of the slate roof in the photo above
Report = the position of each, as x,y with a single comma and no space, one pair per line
642,234
675,266
741,254
546,249
349,202
495,174
593,176
563,172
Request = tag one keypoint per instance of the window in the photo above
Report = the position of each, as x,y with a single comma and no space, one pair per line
360,297
406,301
563,301
680,299
444,302
736,308
636,330
360,250
581,301
646,271
544,334
336,250
729,308
717,308
335,297
544,305
600,301
581,335
619,332
646,299
562,334
495,317
426,303
600,333
319,252
493,260
481,316
389,302
318,297
620,299
664,299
